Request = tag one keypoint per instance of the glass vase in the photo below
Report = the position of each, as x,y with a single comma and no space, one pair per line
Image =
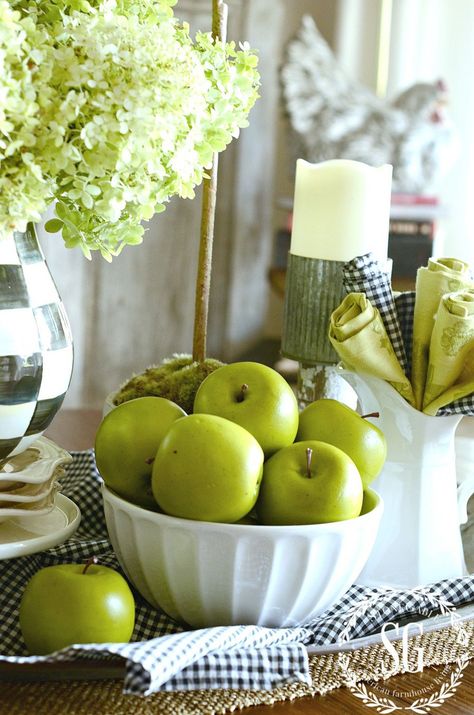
36,352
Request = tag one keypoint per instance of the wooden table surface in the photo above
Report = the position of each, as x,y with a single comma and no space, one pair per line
75,430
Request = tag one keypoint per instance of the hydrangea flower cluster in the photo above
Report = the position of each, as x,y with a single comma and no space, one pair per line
109,109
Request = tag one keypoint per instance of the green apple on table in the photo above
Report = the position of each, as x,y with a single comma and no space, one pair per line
126,443
254,396
309,482
75,603
338,424
207,468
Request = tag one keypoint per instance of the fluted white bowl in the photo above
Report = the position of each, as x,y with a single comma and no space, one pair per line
209,574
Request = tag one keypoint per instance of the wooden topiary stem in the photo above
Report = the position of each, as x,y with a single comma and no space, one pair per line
203,281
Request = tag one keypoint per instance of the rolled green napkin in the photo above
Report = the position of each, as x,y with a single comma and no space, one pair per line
443,275
450,373
357,333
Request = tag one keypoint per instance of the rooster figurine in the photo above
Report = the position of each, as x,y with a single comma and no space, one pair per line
333,117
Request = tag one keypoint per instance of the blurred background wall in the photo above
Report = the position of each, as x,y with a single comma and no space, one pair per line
139,309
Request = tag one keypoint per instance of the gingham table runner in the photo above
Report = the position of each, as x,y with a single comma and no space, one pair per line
165,656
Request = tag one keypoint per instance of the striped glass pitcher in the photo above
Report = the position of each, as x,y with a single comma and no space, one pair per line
36,352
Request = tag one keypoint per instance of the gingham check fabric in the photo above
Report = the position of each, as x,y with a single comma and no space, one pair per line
165,656
36,347
405,307
365,274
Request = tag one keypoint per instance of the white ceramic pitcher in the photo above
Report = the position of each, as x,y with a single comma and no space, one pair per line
419,540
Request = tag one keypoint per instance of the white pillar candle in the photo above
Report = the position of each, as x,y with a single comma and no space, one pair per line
341,210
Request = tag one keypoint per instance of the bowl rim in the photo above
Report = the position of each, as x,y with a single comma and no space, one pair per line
263,529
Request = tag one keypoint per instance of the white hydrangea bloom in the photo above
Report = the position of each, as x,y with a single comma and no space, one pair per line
109,108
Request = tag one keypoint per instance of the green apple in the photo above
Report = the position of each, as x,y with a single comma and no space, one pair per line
254,396
207,468
126,443
309,483
75,603
335,423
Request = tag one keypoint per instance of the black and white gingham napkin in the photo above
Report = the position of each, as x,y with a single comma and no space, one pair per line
364,274
165,656
405,307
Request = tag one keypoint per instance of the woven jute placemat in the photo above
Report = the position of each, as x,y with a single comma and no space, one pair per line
105,697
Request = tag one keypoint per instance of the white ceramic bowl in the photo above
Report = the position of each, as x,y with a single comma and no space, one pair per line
209,574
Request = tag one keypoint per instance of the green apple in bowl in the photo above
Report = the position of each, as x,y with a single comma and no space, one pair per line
254,396
126,443
75,603
207,468
309,482
334,422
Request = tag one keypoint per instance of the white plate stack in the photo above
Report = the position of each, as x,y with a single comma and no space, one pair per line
29,480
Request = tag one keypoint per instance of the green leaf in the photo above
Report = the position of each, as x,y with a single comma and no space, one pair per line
53,225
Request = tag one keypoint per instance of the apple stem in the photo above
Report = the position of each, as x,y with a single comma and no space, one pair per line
371,414
243,390
309,456
89,562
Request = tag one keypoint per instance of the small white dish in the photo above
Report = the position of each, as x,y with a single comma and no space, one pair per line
33,466
22,535
29,480
28,493
27,511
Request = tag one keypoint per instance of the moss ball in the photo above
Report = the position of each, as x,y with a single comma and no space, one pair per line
176,378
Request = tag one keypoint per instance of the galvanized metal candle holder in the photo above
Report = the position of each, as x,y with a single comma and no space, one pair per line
313,289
